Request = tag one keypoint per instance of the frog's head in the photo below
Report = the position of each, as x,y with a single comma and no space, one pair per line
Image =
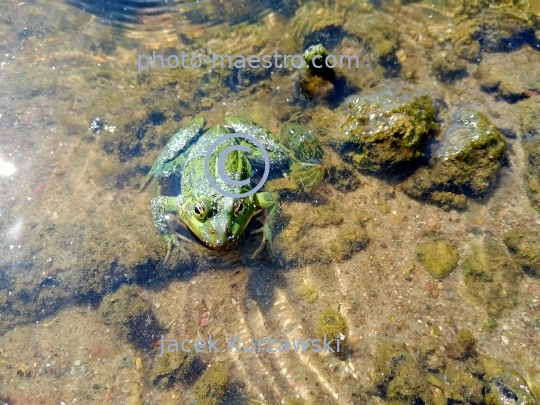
219,223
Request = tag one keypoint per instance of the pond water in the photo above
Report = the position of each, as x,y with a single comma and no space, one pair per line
402,221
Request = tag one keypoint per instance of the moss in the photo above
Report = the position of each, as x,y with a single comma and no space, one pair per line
308,292
439,257
131,314
463,345
212,386
170,368
491,277
388,129
524,245
465,387
332,324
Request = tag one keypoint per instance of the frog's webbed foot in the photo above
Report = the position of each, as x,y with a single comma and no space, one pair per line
308,175
172,240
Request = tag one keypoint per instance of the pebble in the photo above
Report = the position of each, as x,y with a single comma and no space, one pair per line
505,340
77,362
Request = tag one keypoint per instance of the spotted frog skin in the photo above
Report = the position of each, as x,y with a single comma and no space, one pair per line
216,220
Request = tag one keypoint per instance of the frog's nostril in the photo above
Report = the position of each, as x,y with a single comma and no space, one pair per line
228,230
213,230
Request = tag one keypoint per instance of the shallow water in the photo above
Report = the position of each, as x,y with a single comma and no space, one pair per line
80,128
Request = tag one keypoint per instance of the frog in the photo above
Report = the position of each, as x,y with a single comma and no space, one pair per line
215,219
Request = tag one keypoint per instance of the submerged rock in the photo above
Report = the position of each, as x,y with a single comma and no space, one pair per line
510,75
467,162
439,257
491,277
447,67
532,148
212,386
170,368
524,245
492,30
388,129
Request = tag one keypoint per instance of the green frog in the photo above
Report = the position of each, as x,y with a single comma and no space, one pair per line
215,219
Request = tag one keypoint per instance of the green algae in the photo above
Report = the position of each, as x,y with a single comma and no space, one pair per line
333,325
447,67
448,200
524,245
388,129
171,367
308,292
131,314
211,388
491,277
438,257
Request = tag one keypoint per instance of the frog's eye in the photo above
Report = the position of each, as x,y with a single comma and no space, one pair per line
199,210
238,208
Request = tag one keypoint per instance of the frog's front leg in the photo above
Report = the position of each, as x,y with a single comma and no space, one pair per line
269,201
162,207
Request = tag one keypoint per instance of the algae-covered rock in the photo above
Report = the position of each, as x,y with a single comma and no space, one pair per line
463,345
492,30
509,388
510,75
439,257
524,245
333,325
131,314
491,277
396,375
387,129
448,200
447,67
170,368
467,162
212,386
470,153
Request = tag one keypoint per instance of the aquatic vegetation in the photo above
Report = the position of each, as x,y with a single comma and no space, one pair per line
314,23
439,257
387,129
308,292
212,386
131,314
491,277
459,375
333,325
524,245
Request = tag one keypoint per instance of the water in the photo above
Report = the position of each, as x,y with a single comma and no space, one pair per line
80,128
